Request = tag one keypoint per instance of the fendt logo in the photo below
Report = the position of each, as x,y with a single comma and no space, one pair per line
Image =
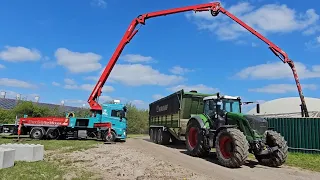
162,108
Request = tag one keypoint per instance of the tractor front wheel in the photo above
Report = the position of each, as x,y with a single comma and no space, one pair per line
195,140
232,147
278,157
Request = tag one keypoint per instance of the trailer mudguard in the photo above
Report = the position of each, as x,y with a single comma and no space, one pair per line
202,119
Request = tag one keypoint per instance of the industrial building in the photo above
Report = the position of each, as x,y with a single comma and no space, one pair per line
287,107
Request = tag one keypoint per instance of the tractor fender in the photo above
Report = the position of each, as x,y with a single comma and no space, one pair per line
198,119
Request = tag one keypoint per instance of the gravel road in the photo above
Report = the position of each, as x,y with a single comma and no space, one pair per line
140,159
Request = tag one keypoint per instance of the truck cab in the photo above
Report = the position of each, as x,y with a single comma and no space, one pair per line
111,113
116,114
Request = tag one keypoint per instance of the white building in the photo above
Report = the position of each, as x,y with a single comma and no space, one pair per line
288,107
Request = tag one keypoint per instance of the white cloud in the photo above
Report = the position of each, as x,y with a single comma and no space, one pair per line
314,43
269,18
278,70
318,39
15,83
19,54
55,84
138,74
139,104
282,88
77,62
201,88
312,30
136,58
99,3
157,96
69,81
49,65
75,102
2,66
180,70
71,84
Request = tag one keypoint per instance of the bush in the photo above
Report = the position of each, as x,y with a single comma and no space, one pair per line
137,118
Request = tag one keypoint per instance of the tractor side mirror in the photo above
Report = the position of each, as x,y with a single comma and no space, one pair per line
258,108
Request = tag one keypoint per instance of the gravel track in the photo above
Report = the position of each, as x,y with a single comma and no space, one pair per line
140,159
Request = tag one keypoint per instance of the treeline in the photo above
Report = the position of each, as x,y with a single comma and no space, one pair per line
137,118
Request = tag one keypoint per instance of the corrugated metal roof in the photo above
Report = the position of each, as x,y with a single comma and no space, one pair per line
11,103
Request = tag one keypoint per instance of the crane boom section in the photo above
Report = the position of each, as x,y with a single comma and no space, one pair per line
214,8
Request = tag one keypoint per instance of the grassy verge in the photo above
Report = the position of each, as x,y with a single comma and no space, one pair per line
304,161
62,145
301,160
136,135
52,167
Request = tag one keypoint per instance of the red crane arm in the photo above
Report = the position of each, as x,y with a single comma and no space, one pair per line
131,31
214,8
276,50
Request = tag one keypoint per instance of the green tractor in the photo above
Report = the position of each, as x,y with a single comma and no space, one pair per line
233,134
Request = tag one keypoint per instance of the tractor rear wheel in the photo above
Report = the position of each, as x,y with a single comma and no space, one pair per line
195,140
278,157
232,147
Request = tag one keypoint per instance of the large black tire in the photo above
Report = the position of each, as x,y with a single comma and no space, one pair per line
37,133
163,137
195,141
232,147
110,138
53,133
278,157
155,135
151,132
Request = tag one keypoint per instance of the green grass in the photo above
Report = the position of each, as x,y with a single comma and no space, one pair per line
304,161
53,167
62,145
136,135
301,160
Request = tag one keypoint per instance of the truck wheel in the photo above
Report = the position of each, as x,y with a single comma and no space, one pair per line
37,133
195,140
53,133
163,137
232,147
110,138
278,157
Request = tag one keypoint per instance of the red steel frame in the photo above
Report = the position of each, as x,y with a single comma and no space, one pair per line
214,8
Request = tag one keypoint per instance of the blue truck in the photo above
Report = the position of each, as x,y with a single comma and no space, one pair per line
110,125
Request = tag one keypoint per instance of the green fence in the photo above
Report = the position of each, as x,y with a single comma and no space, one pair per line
302,134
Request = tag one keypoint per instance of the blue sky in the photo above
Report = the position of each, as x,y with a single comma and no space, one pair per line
57,50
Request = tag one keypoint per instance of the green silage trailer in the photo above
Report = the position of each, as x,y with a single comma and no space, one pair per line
168,116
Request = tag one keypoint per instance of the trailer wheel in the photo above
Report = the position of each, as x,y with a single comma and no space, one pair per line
151,134
37,133
195,140
278,157
163,137
155,135
232,147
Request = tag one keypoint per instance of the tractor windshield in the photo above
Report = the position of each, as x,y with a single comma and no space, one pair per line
230,105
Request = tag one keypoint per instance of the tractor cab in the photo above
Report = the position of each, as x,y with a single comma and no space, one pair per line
216,104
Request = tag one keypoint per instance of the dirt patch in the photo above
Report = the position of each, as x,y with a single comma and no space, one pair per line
120,161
